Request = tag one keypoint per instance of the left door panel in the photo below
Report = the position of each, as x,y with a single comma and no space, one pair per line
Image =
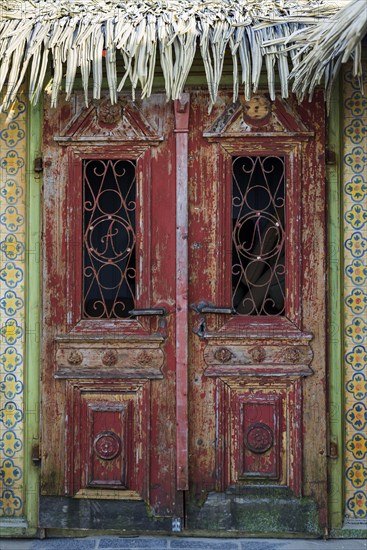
108,327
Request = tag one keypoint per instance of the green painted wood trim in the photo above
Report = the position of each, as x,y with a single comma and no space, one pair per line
335,307
33,293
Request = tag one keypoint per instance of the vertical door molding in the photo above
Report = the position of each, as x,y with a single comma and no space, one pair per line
182,107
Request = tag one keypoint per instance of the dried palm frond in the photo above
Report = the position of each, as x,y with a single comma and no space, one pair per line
328,45
93,36
319,50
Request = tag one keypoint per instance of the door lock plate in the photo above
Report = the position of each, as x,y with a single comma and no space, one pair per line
176,525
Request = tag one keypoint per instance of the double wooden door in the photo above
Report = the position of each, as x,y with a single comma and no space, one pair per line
183,315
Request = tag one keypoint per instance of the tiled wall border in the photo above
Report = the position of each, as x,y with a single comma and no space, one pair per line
355,299
13,161
20,517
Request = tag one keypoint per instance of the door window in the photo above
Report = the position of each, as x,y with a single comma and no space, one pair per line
258,213
109,255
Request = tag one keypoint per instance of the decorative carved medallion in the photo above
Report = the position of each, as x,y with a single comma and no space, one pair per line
257,109
259,437
109,114
144,358
223,355
75,358
107,445
257,354
109,358
292,355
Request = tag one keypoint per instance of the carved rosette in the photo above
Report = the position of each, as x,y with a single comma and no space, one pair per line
257,110
109,114
257,354
107,445
75,358
144,358
109,358
259,437
292,355
223,355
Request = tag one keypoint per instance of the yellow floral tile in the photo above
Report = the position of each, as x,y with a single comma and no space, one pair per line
355,297
12,330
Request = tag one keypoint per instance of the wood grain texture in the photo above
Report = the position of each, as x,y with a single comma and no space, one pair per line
108,356
195,387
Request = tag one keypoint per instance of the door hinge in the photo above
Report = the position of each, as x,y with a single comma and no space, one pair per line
38,165
330,157
35,454
333,450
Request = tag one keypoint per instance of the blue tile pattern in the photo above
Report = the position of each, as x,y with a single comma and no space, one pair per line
12,303
355,297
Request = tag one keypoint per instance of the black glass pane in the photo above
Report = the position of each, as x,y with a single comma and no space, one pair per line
109,207
258,238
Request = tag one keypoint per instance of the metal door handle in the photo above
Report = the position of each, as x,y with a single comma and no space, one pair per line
204,307
148,311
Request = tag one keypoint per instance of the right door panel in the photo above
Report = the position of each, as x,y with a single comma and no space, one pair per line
257,289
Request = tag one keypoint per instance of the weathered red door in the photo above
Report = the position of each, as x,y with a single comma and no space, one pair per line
183,316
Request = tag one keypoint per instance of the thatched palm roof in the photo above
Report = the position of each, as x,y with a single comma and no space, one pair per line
90,36
323,48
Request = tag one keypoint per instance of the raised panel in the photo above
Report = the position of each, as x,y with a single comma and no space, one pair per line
260,418
259,357
104,359
108,429
107,439
259,433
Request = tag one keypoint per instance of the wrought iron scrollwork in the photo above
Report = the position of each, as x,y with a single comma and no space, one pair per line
109,205
258,260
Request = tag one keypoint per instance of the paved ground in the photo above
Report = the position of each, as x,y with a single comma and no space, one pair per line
178,543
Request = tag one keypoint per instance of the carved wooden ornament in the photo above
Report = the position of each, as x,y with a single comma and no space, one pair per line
258,354
107,445
259,437
223,355
75,358
144,358
109,358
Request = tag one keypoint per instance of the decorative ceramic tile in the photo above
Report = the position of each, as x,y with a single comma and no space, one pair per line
9,473
12,329
356,272
356,187
356,104
11,191
357,474
357,504
11,275
10,503
356,216
355,298
357,301
358,386
357,446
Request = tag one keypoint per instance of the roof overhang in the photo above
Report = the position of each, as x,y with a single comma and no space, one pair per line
91,37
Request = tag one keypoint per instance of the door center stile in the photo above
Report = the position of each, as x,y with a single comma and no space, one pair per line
182,108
